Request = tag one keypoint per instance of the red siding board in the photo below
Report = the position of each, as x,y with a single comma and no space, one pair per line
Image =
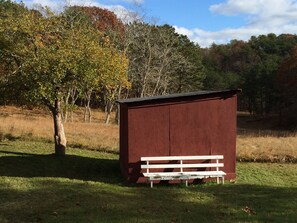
189,133
148,132
224,136
205,128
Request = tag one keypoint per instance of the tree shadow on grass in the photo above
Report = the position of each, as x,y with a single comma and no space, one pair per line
83,202
254,203
9,136
59,200
70,166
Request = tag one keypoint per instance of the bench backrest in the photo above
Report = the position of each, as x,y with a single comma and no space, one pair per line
156,162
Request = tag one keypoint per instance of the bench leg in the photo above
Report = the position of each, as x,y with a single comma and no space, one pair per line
223,181
218,180
186,183
152,184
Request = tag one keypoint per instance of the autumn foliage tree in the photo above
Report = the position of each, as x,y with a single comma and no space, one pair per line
102,19
109,86
49,54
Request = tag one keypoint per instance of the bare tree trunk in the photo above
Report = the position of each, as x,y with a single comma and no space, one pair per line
71,115
158,80
147,72
66,106
117,114
74,96
87,113
109,109
65,118
107,118
111,101
117,110
59,134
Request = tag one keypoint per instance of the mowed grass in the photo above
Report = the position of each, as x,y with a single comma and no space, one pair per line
86,186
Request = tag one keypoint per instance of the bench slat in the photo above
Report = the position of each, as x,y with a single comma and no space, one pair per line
160,158
190,173
191,165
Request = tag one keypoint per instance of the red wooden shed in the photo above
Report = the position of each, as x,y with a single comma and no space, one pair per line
198,123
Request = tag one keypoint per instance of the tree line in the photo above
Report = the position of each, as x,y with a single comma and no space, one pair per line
264,67
87,56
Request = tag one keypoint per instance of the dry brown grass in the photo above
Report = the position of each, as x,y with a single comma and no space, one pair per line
267,148
261,139
38,124
252,144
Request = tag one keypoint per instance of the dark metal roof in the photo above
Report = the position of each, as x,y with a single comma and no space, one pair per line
173,96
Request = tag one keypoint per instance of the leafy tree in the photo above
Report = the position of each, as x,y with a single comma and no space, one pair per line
252,66
225,65
157,57
260,86
38,71
112,33
102,19
114,79
190,73
287,85
49,55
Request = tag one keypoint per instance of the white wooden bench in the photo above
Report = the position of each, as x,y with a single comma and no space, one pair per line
182,168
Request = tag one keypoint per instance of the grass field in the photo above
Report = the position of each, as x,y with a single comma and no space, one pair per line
37,124
86,185
261,139
253,143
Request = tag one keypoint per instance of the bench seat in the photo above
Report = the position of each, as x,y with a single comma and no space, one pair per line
180,170
185,175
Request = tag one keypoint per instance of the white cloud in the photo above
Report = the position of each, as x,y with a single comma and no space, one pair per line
184,31
206,38
262,17
56,5
235,7
134,1
124,14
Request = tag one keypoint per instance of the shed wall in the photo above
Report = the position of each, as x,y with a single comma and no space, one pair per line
148,134
206,127
192,127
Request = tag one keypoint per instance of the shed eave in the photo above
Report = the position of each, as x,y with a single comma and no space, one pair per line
181,95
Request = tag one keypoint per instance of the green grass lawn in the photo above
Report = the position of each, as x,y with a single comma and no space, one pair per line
86,186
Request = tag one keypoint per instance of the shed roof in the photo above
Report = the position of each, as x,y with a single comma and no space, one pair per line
180,95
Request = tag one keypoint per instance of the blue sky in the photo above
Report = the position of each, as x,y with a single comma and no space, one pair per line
203,21
190,14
